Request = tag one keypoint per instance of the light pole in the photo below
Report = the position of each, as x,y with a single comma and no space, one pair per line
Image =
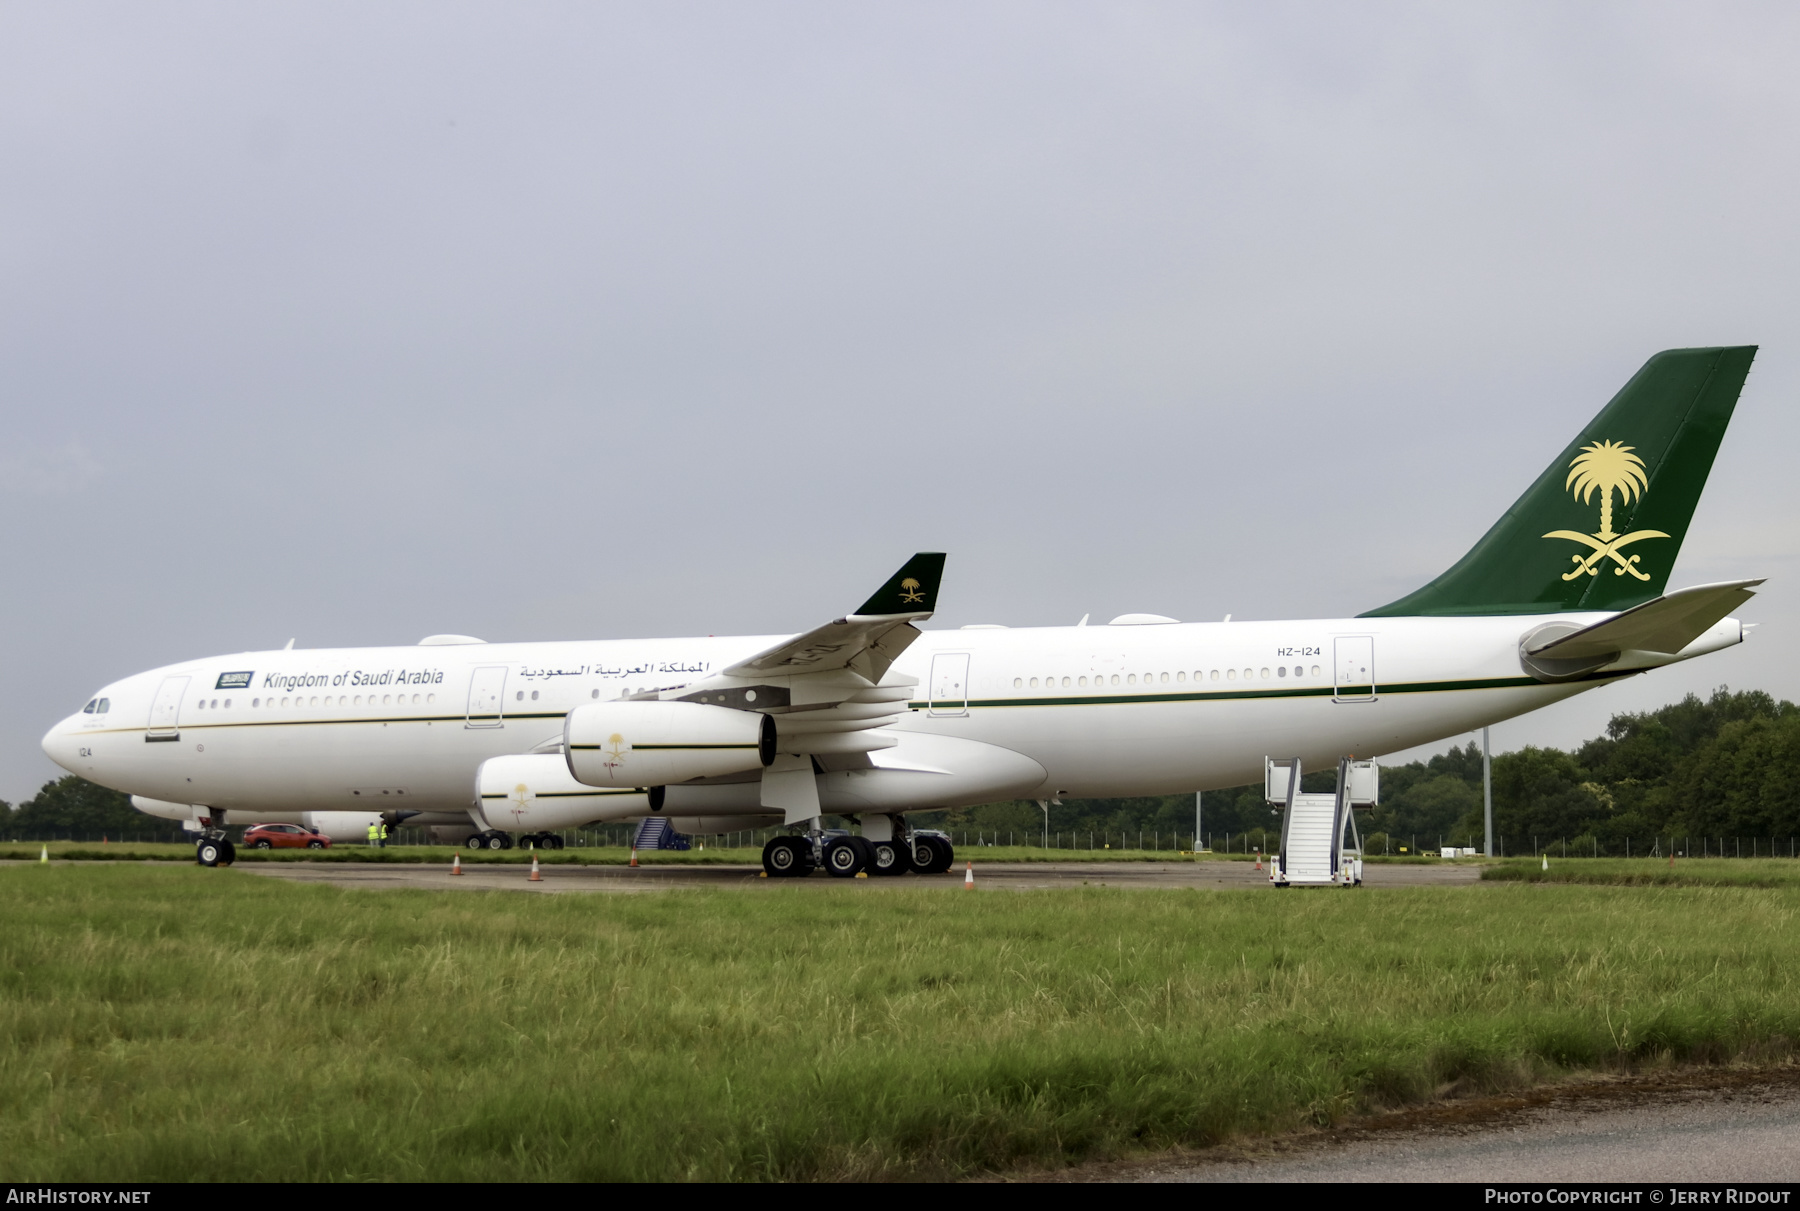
1044,806
1197,833
1487,794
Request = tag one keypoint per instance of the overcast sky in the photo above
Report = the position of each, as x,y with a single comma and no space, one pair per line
358,322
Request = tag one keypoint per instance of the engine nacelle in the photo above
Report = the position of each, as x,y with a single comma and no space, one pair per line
533,793
645,744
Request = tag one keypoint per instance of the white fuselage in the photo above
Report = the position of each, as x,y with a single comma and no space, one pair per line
1100,711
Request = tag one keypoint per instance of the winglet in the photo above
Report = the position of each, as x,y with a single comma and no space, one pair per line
912,590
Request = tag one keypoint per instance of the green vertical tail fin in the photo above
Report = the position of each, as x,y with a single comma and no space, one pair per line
1601,527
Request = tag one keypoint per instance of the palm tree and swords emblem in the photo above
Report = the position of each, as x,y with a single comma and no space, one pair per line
1606,467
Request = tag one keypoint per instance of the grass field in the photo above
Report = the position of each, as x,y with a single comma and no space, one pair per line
1651,872
162,1022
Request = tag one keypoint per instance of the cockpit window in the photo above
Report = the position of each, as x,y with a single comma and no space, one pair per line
89,708
105,706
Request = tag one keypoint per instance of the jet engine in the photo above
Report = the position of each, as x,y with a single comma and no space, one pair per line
533,793
645,744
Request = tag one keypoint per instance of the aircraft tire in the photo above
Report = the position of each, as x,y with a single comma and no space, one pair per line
889,858
208,853
843,857
475,841
230,853
943,856
786,858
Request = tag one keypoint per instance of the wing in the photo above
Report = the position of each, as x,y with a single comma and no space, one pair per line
867,642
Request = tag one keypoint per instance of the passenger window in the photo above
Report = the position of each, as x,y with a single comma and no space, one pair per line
533,696
1131,679
1115,680
1034,684
1231,674
1165,677
1083,680
519,697
228,704
1265,674
1181,676
596,693
1018,684
1065,683
1315,670
433,697
1282,671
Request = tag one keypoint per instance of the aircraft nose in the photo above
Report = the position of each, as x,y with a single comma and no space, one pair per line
60,746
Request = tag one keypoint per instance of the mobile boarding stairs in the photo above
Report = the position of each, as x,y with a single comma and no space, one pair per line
1312,851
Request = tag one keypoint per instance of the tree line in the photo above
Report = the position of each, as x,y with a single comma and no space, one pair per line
72,808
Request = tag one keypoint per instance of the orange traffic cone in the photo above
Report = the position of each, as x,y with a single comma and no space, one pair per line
969,875
1259,859
634,855
103,838
535,877
456,864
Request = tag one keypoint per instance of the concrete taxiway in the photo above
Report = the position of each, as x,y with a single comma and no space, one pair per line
1019,876
1714,1127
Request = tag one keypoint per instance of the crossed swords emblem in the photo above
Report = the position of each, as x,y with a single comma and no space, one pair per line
1605,547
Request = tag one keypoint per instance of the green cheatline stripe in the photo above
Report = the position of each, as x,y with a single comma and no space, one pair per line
596,793
478,719
661,748
1418,687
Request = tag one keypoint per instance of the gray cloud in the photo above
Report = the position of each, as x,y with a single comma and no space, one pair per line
539,321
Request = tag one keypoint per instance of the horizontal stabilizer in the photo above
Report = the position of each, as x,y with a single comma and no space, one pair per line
1665,625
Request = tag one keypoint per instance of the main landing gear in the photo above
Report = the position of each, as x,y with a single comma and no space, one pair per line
541,841
845,856
490,840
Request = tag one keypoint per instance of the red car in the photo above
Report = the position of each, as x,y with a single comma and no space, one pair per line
284,836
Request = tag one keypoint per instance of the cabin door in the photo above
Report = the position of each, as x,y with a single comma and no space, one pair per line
950,683
487,696
165,711
1353,677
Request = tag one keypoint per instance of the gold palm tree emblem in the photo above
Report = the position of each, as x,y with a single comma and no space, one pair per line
520,798
615,754
909,590
1606,467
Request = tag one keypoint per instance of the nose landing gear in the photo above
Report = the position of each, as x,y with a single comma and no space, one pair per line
214,849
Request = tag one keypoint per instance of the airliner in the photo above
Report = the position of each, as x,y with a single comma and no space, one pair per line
871,718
